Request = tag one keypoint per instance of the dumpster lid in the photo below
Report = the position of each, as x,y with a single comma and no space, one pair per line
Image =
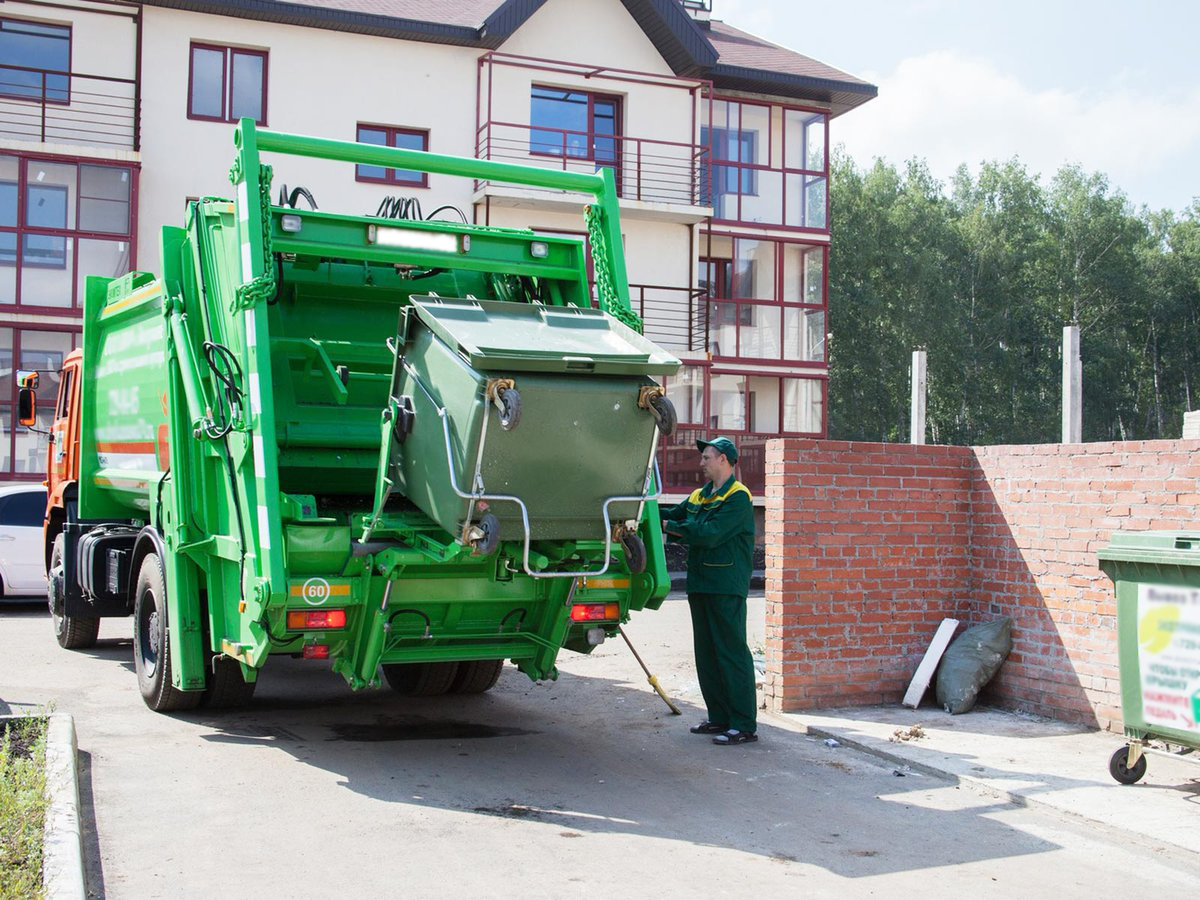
528,337
1178,547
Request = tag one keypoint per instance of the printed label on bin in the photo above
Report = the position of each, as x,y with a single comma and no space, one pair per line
1169,655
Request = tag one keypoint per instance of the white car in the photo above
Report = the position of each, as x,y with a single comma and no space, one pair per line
22,556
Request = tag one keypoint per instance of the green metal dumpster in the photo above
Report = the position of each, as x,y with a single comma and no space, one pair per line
1157,580
495,396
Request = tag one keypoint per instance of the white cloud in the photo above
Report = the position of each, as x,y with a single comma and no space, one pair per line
950,109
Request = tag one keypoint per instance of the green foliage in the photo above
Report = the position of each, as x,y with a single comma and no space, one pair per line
984,273
22,807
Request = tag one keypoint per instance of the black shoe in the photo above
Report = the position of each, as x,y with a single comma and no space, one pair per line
707,727
733,736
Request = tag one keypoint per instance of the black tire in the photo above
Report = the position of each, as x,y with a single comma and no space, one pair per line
486,545
420,679
663,411
635,552
510,412
72,632
1118,767
477,676
151,648
224,686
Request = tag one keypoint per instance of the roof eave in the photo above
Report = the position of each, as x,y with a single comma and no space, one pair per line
306,16
840,96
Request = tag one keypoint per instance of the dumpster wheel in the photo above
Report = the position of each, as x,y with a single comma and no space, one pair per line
635,552
486,545
1118,767
510,408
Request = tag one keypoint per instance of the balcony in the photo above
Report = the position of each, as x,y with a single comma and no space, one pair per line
44,106
675,318
657,179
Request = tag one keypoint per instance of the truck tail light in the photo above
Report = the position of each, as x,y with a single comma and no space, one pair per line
316,620
316,651
595,612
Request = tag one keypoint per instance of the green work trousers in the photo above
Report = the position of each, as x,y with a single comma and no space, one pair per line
723,661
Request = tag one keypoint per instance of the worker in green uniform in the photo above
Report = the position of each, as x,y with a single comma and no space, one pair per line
717,524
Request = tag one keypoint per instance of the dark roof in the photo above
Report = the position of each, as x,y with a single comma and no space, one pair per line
750,63
732,59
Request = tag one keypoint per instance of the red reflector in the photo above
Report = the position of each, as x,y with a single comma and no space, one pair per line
316,620
316,651
595,612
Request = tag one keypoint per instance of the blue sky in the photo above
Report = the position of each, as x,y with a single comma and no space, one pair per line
1114,87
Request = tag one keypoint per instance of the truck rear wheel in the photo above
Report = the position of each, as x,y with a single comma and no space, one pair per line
151,646
72,632
224,686
420,679
477,677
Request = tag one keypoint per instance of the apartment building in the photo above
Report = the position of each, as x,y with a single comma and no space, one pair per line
114,114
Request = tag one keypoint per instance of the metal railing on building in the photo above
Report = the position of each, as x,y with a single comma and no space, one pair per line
46,106
649,170
676,318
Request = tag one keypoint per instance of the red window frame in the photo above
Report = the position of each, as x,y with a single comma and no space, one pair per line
821,377
390,175
70,57
226,80
728,265
8,405
71,235
783,170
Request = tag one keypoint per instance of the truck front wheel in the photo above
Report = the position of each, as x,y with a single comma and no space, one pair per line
151,646
72,632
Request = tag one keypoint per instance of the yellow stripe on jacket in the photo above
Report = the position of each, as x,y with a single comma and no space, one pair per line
699,500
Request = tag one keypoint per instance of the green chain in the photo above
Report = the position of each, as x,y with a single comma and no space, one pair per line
607,291
261,288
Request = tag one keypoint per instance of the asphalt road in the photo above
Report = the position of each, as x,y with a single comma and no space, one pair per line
572,788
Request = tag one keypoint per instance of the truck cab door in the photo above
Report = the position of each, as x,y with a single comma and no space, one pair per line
63,463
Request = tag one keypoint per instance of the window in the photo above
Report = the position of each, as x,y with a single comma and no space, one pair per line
575,125
26,509
389,136
26,46
767,164
60,222
226,84
23,451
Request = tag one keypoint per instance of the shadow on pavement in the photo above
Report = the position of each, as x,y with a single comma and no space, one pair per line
595,755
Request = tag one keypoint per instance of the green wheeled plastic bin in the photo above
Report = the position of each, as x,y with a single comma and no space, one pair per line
1157,580
528,423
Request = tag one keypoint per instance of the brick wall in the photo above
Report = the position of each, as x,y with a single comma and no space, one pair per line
871,545
867,551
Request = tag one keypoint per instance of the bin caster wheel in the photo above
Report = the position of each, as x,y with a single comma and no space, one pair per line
510,408
1118,767
487,544
663,411
635,552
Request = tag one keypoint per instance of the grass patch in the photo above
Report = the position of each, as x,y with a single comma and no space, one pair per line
22,806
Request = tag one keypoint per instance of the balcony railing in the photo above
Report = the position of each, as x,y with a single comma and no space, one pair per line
649,170
675,318
68,108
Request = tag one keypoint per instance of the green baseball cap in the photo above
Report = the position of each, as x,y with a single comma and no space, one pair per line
721,445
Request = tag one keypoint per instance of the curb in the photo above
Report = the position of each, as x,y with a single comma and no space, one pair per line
62,854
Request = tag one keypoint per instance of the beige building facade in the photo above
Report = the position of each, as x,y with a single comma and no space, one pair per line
113,115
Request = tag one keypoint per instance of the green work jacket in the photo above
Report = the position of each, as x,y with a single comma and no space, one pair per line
718,528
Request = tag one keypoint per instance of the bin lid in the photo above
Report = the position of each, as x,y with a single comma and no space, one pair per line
529,337
1173,547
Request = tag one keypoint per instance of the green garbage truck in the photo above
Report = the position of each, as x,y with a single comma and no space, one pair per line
414,448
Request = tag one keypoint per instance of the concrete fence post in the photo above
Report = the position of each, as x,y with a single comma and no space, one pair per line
916,430
1072,387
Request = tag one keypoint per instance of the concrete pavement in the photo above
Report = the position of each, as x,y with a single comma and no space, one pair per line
554,790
